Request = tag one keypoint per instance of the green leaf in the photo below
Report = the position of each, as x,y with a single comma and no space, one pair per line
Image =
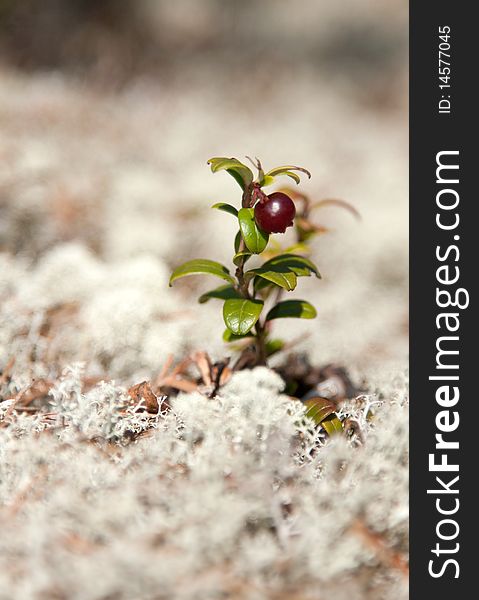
240,315
299,309
241,173
332,425
238,239
238,177
283,270
319,409
274,346
201,266
323,412
283,278
239,255
226,208
255,239
224,292
294,176
300,265
267,180
287,170
229,336
261,284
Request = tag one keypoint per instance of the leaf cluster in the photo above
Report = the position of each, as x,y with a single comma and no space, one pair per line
248,291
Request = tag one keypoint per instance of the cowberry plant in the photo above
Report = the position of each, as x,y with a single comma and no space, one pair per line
252,296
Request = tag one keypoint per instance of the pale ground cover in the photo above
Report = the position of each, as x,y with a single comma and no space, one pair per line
101,193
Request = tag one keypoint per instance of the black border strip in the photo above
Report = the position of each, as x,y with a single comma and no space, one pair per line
430,133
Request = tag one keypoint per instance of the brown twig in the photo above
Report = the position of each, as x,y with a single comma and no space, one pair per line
203,362
173,379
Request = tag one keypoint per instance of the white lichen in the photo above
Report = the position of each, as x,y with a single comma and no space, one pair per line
214,497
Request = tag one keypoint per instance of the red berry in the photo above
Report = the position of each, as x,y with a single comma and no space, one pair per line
275,214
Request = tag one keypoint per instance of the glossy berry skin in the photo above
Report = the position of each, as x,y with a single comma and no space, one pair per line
275,214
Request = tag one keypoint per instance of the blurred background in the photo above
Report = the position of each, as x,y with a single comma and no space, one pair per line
108,114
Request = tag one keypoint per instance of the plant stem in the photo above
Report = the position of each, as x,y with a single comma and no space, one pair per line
243,285
260,344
